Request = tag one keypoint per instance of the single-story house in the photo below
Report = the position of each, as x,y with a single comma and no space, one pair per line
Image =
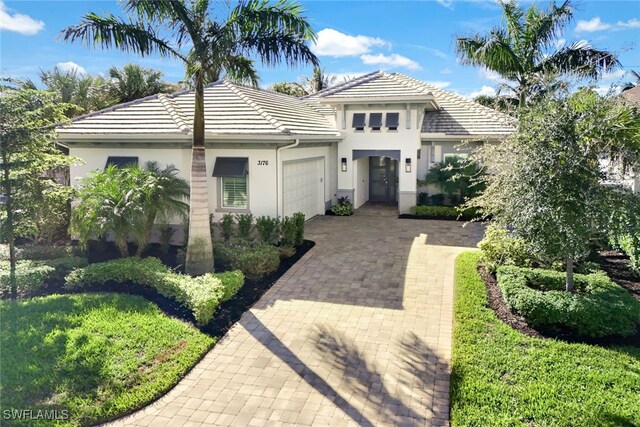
267,153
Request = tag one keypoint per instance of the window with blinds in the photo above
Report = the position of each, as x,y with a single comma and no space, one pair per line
234,192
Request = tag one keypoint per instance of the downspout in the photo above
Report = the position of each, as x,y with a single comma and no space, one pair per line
278,150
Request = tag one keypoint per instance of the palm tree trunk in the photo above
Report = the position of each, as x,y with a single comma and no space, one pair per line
199,258
146,236
569,287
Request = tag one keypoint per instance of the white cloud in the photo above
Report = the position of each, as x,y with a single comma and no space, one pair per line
485,90
334,43
446,3
393,60
614,75
70,66
440,84
491,75
631,23
18,23
446,70
596,24
592,25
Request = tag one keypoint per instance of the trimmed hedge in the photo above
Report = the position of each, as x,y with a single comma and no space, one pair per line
599,308
442,212
201,294
32,275
254,259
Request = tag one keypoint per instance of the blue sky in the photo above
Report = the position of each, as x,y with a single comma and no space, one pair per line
354,37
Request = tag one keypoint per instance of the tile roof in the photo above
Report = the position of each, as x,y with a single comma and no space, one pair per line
632,94
229,109
456,116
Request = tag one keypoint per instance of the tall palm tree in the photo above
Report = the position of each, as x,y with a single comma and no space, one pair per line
164,193
132,82
210,46
526,50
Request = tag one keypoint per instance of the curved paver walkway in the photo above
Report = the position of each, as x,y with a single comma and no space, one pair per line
358,332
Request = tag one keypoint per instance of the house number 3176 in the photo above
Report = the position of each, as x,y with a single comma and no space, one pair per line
263,162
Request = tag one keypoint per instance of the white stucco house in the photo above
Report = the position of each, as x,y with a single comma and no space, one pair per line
271,154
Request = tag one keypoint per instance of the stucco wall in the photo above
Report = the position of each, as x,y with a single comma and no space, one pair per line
361,184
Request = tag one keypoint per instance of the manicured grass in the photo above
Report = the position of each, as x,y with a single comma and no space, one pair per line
501,377
95,355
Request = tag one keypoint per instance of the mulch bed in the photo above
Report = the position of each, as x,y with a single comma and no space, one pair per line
612,262
227,313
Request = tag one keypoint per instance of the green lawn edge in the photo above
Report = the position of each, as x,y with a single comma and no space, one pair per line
501,377
98,356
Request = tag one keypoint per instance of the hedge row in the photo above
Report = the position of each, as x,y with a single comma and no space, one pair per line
32,275
202,294
442,212
254,259
598,308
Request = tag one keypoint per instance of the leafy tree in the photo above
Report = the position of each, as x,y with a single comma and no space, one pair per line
525,50
164,193
132,82
210,47
547,183
27,151
504,104
456,175
289,88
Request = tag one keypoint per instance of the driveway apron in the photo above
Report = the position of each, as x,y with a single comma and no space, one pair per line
358,332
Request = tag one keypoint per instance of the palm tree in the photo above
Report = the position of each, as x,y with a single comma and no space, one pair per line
133,82
318,81
85,92
631,85
164,193
209,47
526,51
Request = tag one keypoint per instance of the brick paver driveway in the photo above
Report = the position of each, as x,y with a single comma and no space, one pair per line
358,332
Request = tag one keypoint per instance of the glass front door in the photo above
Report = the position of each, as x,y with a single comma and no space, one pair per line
383,177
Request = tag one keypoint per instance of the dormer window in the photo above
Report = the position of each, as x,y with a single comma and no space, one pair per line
359,121
393,120
375,121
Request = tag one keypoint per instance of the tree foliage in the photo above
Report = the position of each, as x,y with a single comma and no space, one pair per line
456,175
526,50
133,82
28,154
546,180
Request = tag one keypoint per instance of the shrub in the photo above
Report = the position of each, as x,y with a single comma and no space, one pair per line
232,281
298,220
499,248
343,208
443,212
201,294
288,231
268,229
437,199
423,198
630,246
44,252
599,307
32,275
254,259
226,225
244,225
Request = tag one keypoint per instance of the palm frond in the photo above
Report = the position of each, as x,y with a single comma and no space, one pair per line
493,52
106,31
581,60
174,13
241,70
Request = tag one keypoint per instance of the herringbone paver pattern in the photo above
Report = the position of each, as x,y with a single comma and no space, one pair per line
358,332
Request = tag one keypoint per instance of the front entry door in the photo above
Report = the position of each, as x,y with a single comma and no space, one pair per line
382,179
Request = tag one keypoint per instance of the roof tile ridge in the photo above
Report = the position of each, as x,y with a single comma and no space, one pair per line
175,112
408,81
346,85
277,124
459,98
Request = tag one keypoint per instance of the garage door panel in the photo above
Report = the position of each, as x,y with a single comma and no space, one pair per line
303,183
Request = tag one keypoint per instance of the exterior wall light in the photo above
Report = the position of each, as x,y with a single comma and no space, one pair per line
343,164
407,165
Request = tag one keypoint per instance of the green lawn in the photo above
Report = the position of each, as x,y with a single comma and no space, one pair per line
501,377
94,355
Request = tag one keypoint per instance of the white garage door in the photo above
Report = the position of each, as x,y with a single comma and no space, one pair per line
304,187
